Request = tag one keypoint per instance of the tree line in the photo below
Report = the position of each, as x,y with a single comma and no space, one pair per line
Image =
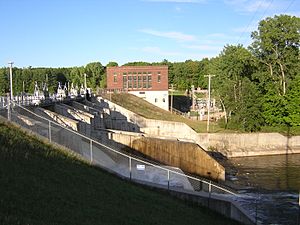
255,86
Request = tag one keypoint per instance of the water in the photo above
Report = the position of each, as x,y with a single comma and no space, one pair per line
270,185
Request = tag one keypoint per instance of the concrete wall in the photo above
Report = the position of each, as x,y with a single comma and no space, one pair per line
251,144
230,145
223,206
83,119
62,120
97,121
187,156
163,129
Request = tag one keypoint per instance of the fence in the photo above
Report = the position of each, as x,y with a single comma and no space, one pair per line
111,159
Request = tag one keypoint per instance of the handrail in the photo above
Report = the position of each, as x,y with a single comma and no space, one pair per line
131,157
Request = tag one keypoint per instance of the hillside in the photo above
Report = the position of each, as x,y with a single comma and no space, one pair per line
149,111
45,185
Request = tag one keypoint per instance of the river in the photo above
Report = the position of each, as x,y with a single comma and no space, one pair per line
270,185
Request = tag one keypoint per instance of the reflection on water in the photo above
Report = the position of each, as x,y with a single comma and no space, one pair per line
275,182
281,172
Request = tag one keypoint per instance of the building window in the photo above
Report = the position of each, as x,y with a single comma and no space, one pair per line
115,78
134,82
144,81
158,78
124,73
125,82
129,81
164,100
149,81
155,99
139,81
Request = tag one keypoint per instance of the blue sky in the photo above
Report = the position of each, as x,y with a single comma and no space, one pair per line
64,33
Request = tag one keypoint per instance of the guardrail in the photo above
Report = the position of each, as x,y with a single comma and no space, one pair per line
111,159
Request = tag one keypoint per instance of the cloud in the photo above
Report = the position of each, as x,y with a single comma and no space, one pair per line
178,36
249,6
178,9
158,51
177,1
205,47
246,29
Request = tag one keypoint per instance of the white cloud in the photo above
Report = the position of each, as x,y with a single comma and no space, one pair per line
246,29
178,9
249,6
177,1
158,51
205,47
178,36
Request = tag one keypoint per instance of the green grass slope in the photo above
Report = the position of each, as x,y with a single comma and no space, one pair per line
149,111
43,185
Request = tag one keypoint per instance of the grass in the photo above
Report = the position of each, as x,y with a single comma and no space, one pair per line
147,110
40,184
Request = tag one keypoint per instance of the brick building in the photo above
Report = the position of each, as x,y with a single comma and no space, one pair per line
147,82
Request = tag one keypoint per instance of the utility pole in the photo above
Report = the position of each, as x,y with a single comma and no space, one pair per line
171,98
85,87
10,80
208,103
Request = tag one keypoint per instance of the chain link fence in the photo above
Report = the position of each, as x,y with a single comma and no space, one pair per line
109,158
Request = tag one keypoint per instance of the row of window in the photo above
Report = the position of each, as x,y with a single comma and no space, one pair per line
134,73
137,81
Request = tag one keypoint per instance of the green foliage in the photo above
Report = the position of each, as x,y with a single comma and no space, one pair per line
111,64
293,103
94,72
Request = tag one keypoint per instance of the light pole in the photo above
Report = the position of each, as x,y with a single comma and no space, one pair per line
171,98
85,87
10,80
208,103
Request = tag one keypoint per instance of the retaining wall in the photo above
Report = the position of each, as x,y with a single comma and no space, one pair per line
187,156
251,144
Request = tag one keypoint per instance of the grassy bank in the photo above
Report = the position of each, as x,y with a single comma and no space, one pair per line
43,185
147,110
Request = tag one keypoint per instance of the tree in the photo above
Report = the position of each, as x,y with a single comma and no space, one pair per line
276,45
3,81
112,64
293,103
94,72
234,88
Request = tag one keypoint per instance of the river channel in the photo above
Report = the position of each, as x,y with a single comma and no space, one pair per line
270,186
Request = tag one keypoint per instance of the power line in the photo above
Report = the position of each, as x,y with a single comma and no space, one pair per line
246,28
291,3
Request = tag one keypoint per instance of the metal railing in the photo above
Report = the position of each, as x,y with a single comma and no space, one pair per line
111,159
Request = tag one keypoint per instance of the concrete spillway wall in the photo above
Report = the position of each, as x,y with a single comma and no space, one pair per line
230,145
83,119
187,156
251,144
97,121
130,121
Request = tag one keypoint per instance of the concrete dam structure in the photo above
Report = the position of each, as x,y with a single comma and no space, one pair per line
189,157
99,121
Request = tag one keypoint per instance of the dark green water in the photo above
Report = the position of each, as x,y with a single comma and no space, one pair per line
271,187
281,172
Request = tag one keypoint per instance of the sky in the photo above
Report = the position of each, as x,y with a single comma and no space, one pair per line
66,33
